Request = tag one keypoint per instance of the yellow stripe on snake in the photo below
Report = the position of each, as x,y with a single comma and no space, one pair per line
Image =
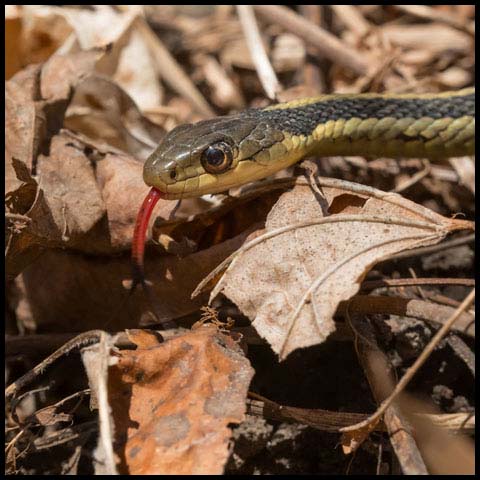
214,155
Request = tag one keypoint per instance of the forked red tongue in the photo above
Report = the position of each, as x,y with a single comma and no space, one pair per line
138,243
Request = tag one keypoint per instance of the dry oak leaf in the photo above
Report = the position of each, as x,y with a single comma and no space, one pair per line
172,402
103,111
290,279
82,292
62,189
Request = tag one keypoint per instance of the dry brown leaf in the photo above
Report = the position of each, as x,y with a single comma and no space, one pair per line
96,26
79,202
34,108
290,280
43,30
81,292
13,30
172,402
122,187
50,415
102,110
35,102
71,193
74,195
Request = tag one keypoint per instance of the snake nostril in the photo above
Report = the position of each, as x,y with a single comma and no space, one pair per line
173,174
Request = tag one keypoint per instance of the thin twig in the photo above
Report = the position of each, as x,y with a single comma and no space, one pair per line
74,433
407,307
442,299
17,216
325,420
415,252
79,341
264,68
313,75
414,178
326,44
171,71
104,417
428,13
330,421
418,363
352,18
380,376
410,282
393,167
463,352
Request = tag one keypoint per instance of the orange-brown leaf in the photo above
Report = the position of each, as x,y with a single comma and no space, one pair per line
172,403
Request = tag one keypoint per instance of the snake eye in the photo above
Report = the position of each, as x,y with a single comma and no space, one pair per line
217,157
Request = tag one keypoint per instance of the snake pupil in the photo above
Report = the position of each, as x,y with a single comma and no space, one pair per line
214,156
217,157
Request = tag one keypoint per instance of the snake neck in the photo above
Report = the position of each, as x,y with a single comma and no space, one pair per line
377,125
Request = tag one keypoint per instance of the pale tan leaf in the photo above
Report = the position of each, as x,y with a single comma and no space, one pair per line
290,280
443,452
103,111
137,74
465,168
49,29
100,24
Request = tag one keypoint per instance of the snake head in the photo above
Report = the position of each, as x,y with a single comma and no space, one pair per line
211,156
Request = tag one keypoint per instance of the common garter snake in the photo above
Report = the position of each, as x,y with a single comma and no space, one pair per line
214,155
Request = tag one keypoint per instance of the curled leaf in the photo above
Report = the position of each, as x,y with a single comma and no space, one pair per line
290,279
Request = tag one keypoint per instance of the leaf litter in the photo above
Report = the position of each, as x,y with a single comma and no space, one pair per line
78,127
